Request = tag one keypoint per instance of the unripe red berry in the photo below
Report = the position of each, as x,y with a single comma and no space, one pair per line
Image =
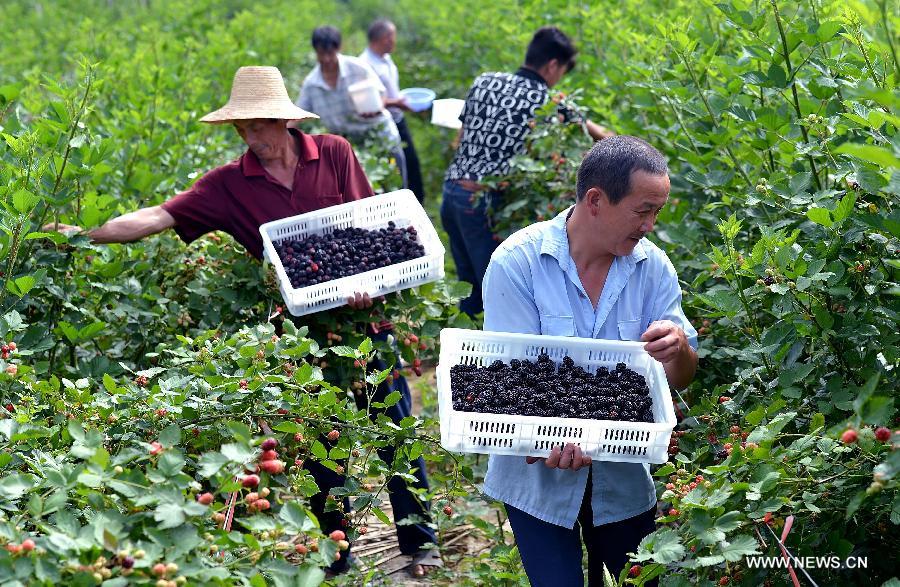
268,455
272,467
205,498
448,510
337,535
28,545
882,434
334,435
635,571
723,399
250,481
849,436
301,549
673,512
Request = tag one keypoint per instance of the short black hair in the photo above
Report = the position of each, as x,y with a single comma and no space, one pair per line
379,28
326,38
550,43
610,163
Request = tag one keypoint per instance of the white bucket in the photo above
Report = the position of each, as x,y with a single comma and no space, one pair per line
365,97
445,112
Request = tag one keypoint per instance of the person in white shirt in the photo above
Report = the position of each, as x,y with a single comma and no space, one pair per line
325,91
382,36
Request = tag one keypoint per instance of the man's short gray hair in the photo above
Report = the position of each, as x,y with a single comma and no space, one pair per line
379,28
610,163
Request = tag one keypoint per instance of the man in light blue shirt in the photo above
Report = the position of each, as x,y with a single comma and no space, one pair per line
591,273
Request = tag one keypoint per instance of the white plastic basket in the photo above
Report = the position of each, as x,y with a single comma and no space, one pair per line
370,213
502,434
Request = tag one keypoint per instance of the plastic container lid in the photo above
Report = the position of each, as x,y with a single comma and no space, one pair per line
418,99
445,112
365,97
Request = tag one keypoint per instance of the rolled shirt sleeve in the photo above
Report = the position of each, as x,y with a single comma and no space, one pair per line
667,302
201,209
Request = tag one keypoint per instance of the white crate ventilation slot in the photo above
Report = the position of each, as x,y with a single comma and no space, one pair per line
504,434
371,213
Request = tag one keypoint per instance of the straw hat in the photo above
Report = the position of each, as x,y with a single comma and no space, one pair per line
257,92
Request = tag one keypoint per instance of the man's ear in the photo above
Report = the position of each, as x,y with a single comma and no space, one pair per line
595,198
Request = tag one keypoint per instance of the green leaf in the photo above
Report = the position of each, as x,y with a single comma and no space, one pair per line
344,351
729,521
295,517
170,436
211,463
871,154
109,383
845,207
381,516
23,201
21,286
365,347
739,547
820,216
663,546
318,450
15,485
827,30
169,515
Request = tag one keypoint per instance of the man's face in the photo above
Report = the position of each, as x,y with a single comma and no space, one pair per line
387,43
622,225
327,58
261,135
554,71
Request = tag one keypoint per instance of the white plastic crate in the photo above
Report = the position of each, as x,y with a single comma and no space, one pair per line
503,434
370,213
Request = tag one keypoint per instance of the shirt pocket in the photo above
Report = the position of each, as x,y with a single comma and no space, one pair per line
329,200
552,325
630,330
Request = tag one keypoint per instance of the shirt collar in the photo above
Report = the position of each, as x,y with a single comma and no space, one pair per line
556,242
530,74
386,58
309,151
317,78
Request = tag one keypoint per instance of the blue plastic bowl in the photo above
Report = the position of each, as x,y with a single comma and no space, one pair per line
419,99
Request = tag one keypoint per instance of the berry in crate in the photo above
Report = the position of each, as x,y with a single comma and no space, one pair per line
346,251
542,389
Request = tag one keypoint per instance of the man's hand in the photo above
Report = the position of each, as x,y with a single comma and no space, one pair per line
397,103
359,301
569,457
667,343
66,229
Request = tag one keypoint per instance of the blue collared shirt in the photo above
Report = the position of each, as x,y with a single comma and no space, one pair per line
532,287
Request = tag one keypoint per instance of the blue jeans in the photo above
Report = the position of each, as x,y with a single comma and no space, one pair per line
466,218
551,554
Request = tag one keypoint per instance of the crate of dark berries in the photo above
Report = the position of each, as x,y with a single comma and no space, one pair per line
375,245
523,394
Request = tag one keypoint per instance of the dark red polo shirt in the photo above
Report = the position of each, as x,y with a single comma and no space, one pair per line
239,197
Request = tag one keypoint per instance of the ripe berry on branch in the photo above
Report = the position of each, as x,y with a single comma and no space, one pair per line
849,436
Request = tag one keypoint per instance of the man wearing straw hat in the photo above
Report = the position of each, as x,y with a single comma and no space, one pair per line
284,172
